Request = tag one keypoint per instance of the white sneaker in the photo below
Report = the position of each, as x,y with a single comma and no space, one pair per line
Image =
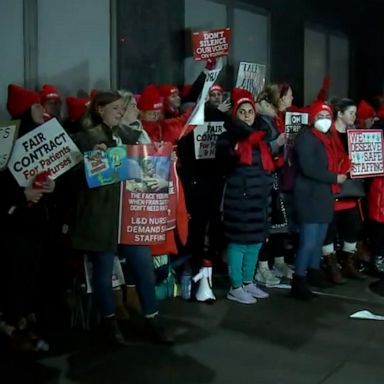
264,276
255,291
281,268
241,296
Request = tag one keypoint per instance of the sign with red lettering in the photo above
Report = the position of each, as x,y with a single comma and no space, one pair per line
210,44
144,204
366,152
46,148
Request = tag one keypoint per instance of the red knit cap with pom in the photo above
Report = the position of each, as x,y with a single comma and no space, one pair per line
20,100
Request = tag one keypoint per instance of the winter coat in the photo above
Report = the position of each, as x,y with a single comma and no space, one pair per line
376,199
96,219
246,205
313,198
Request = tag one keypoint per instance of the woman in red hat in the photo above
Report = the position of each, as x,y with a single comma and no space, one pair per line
246,156
318,179
26,229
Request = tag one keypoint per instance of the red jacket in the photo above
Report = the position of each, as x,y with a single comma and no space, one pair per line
376,199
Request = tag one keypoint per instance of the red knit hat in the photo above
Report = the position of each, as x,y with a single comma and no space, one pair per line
316,108
216,88
48,91
365,111
76,107
240,96
186,89
20,100
150,100
168,90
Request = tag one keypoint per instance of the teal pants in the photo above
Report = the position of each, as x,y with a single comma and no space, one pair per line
242,259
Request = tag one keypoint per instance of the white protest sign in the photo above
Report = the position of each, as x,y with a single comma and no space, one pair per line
293,123
366,152
197,116
251,76
46,148
205,137
8,134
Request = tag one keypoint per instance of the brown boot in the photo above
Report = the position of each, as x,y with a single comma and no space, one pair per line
349,266
132,300
332,269
121,311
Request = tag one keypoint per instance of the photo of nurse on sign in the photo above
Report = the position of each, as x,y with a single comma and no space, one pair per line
148,174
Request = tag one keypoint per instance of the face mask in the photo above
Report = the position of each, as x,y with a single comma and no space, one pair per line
323,125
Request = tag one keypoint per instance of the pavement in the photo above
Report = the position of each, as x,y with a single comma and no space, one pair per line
278,340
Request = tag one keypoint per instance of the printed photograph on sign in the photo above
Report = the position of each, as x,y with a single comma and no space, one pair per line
251,76
106,167
8,134
148,174
145,199
366,152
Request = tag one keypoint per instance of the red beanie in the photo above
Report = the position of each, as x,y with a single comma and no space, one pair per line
365,111
150,100
20,100
240,96
216,88
76,107
316,108
167,90
48,91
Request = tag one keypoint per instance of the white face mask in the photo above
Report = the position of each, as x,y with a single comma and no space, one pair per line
323,125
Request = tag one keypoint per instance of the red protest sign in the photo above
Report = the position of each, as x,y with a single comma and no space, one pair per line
210,44
366,152
144,210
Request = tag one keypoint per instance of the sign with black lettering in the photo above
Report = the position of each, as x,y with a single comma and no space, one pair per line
293,124
8,134
251,76
46,148
205,137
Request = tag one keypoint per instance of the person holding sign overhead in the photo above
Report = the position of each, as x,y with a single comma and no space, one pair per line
319,177
25,217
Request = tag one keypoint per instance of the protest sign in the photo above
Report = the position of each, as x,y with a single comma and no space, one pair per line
205,137
210,44
46,148
197,115
251,76
293,124
144,203
8,135
366,152
108,167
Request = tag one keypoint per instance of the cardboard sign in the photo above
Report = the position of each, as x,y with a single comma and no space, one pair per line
211,44
108,167
8,134
366,152
251,76
197,115
46,148
144,203
293,124
205,137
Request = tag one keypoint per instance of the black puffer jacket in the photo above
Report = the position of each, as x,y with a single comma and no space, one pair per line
247,193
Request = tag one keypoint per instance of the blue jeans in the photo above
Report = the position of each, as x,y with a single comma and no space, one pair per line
311,238
140,266
242,260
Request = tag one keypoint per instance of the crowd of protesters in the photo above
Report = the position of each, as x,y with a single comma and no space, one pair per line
259,201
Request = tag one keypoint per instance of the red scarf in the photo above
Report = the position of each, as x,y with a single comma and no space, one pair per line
154,130
280,122
338,161
244,149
